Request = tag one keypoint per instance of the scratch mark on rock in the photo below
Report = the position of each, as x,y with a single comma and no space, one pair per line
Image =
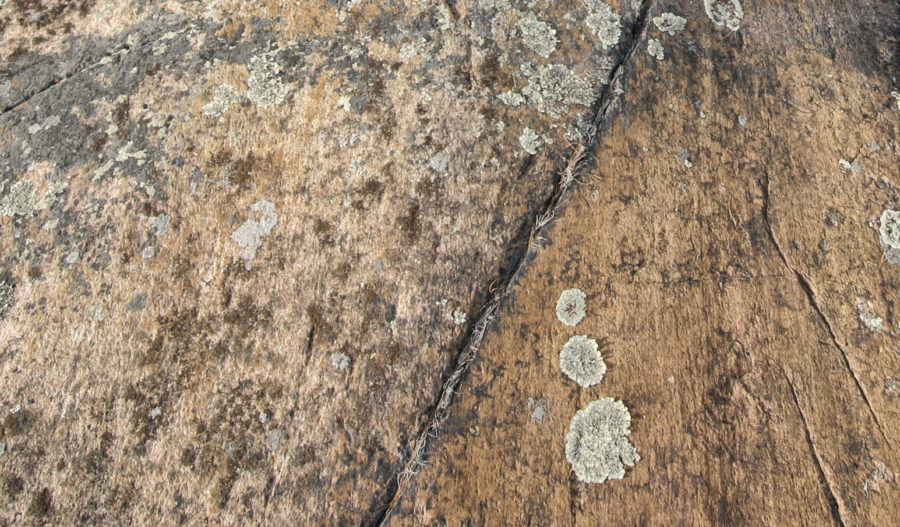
814,303
834,505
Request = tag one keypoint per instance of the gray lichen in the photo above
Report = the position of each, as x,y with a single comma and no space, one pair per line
655,49
340,360
160,224
250,235
889,231
684,155
670,23
511,98
724,13
581,361
7,295
854,166
19,201
440,161
605,23
553,87
274,438
264,85
530,141
570,308
597,444
539,36
223,97
867,316
538,409
137,303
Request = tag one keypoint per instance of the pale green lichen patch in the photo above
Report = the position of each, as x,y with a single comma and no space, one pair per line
597,444
223,97
530,141
670,23
274,438
539,36
581,361
440,161
264,85
250,235
867,317
570,308
511,98
605,23
19,201
724,13
854,167
7,296
538,409
553,87
340,361
656,49
160,224
889,231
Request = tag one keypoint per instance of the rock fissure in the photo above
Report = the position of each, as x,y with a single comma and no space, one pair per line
117,49
810,294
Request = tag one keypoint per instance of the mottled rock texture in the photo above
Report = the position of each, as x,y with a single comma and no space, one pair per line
243,245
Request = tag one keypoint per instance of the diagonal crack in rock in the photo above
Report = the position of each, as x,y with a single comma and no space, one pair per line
607,104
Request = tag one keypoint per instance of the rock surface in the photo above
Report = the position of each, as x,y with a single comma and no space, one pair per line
245,246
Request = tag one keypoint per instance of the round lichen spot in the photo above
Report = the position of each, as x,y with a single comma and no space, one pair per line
570,308
340,360
581,361
597,444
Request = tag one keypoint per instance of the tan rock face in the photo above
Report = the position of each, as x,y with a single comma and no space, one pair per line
723,249
245,244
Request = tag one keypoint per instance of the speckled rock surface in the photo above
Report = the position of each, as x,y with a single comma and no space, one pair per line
243,245
241,242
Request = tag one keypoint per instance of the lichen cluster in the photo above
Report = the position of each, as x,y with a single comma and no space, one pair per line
606,23
597,443
539,36
725,13
553,87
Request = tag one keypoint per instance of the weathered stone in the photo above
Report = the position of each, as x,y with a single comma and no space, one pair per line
243,245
